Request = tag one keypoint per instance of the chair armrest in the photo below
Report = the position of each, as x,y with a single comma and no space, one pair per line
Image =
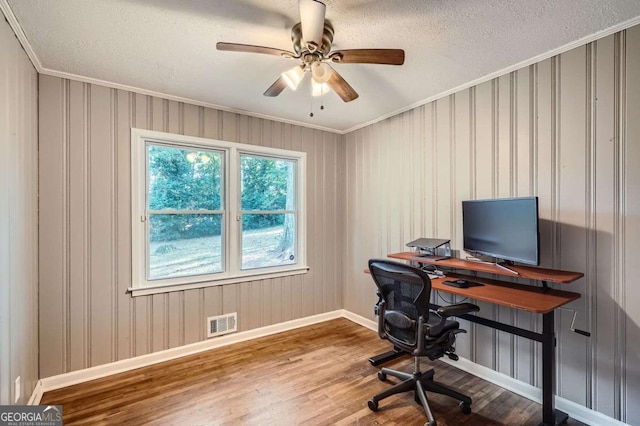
455,310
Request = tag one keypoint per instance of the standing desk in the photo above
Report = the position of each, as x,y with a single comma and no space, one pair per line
538,300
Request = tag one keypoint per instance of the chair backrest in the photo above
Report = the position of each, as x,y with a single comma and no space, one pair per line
405,292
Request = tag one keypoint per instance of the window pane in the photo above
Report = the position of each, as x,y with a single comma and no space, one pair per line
184,179
267,183
184,244
268,240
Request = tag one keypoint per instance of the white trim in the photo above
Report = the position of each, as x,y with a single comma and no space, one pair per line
19,32
147,290
37,393
575,411
17,29
509,383
134,89
586,415
360,320
546,55
210,143
80,376
231,273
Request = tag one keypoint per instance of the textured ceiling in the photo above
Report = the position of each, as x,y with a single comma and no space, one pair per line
168,46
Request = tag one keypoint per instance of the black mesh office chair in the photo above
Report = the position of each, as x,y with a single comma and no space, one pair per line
404,318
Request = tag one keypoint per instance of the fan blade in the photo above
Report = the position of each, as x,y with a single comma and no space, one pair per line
276,88
235,47
312,19
371,56
341,87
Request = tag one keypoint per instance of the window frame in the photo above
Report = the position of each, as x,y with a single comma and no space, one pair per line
241,212
223,212
231,213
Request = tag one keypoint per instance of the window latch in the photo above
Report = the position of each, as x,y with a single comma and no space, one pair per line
143,218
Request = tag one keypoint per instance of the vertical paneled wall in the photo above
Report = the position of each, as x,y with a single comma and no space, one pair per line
18,219
87,317
565,129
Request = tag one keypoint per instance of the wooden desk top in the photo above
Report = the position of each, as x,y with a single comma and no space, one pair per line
529,272
528,298
518,296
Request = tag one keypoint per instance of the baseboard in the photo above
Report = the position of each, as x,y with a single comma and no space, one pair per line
87,374
36,395
360,320
586,415
575,411
507,382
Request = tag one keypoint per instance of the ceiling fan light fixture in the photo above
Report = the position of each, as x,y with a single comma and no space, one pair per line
318,89
321,72
293,77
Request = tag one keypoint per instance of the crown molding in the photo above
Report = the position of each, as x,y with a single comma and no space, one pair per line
109,84
539,58
17,29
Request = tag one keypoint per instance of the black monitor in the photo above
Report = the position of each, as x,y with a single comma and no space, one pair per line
503,228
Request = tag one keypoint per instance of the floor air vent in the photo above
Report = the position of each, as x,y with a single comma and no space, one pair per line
222,324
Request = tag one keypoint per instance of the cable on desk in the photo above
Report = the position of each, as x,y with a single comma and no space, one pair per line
433,271
452,302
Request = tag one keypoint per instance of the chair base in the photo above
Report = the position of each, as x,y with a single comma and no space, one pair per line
419,383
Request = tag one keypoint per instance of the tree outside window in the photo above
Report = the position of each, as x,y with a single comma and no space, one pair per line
211,212
268,211
184,212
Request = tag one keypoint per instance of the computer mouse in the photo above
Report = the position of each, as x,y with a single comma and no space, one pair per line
461,282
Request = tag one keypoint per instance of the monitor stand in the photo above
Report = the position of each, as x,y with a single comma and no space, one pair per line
506,268
502,265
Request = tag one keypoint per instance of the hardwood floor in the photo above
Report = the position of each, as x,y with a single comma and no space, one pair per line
316,375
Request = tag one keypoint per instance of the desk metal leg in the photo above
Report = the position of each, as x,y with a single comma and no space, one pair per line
550,416
548,369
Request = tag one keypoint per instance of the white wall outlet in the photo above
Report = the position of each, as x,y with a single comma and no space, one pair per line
16,391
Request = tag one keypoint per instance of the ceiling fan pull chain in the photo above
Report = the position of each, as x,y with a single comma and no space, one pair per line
311,105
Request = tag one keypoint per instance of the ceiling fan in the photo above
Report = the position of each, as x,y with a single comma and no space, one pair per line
312,38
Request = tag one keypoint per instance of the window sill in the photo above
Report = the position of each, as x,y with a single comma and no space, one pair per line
149,290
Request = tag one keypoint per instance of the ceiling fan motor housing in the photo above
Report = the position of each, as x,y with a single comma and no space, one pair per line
324,49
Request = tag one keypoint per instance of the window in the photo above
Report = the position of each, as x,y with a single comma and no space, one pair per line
207,212
184,211
268,211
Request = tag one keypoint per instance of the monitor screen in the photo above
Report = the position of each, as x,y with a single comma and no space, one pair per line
503,228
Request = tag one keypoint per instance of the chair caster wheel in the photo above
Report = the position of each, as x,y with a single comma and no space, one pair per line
382,377
373,405
465,408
